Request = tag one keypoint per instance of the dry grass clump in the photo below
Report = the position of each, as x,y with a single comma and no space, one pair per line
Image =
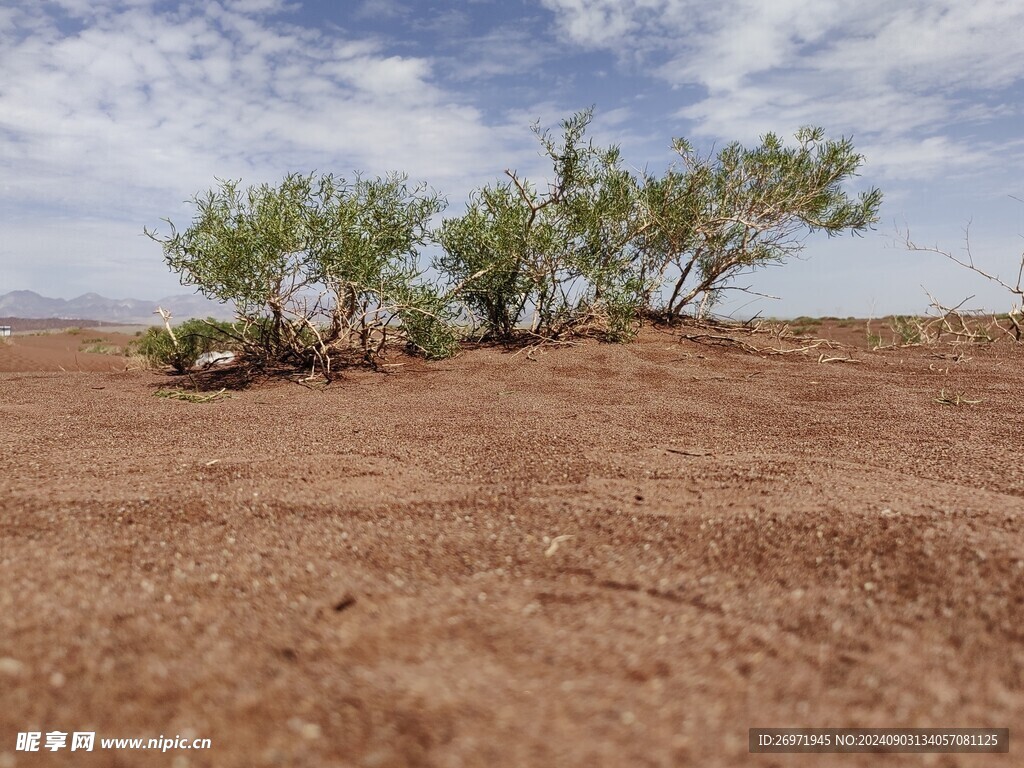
100,347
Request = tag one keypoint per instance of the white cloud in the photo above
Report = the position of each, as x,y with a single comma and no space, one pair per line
887,72
926,158
144,105
163,102
601,23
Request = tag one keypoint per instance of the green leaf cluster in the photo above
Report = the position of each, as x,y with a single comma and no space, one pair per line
317,267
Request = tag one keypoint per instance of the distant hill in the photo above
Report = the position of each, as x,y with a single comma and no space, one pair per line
92,306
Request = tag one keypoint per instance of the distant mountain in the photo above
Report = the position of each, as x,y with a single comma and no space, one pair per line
92,306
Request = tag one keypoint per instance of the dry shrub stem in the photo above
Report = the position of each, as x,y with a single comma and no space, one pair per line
1016,314
729,336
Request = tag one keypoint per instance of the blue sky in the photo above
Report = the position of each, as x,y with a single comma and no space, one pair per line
113,112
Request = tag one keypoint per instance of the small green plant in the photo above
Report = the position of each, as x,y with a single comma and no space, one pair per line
183,346
74,330
908,329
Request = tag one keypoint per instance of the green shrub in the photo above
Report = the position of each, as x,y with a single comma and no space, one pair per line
191,339
719,217
601,246
318,268
566,257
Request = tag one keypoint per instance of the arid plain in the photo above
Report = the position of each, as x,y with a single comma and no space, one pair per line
592,555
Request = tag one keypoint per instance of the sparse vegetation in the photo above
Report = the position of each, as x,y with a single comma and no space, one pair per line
1010,323
955,399
181,347
323,270
191,397
100,347
318,268
808,321
909,329
952,325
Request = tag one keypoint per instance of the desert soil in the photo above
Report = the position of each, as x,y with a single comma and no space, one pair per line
598,555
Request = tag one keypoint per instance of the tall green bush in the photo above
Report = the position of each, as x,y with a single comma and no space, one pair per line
715,218
564,257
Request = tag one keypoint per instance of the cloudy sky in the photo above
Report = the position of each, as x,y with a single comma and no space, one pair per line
114,112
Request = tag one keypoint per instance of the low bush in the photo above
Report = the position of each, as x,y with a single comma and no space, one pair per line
182,346
318,268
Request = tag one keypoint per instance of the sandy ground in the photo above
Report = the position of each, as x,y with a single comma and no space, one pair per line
602,556
86,349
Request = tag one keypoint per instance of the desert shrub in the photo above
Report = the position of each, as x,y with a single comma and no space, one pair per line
566,256
715,218
603,246
318,268
908,329
182,348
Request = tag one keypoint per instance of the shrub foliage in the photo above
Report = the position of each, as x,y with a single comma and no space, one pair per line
567,256
317,268
191,339
321,269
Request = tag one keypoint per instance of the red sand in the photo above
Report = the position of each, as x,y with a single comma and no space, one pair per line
606,556
66,352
